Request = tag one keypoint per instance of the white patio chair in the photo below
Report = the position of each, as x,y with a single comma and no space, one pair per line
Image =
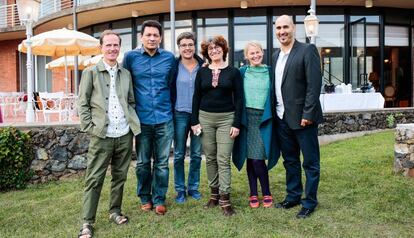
52,103
69,103
3,103
17,103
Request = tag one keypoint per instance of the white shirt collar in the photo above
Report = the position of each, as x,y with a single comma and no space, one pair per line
109,68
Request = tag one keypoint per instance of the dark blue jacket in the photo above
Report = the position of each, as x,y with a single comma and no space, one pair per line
266,130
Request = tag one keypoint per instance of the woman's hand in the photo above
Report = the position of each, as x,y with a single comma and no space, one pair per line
234,132
196,129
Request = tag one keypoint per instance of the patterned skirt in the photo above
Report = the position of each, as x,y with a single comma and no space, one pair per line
255,147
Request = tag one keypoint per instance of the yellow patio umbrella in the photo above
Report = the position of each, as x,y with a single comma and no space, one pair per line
94,60
60,63
62,42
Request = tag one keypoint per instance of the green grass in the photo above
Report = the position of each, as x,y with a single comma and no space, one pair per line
359,197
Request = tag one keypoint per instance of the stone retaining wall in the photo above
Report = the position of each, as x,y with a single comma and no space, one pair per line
344,122
60,150
404,149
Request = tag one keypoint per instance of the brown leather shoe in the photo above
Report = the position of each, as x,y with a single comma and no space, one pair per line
225,205
160,210
146,207
214,199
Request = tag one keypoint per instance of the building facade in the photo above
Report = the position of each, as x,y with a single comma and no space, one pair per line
358,45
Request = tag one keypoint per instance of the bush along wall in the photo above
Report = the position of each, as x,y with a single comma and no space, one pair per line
16,156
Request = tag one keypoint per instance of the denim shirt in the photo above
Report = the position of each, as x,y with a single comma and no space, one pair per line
185,88
151,77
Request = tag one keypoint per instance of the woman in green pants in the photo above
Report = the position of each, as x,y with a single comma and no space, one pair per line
217,104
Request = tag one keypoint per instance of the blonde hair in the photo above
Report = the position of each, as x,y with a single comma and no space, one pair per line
254,44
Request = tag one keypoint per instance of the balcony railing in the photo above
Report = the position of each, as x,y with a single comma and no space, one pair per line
9,16
48,7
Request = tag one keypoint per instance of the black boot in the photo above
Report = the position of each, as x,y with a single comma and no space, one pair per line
214,199
225,205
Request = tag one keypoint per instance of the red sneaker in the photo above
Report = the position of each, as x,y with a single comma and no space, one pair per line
267,201
254,202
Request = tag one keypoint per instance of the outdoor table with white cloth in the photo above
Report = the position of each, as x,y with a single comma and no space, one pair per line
351,101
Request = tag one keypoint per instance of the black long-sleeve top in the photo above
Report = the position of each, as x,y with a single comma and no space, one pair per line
227,96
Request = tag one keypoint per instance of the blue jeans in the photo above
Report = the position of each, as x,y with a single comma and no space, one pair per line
154,141
182,127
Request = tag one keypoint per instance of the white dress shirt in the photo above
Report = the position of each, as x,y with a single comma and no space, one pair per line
118,125
280,67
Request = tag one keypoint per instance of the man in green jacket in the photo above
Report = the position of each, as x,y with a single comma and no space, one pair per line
106,108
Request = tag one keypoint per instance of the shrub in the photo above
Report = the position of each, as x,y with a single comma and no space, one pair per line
390,120
16,156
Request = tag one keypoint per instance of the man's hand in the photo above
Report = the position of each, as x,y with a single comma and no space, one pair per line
305,122
234,132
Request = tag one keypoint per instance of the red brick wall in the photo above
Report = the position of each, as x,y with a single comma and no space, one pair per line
9,68
58,82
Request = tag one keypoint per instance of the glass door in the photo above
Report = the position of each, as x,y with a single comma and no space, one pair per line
358,59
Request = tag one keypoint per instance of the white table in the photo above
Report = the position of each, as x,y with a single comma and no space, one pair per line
351,101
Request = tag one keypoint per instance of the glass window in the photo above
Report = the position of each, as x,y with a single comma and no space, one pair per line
98,29
23,71
396,36
249,16
205,18
203,33
364,62
122,26
181,20
330,35
330,44
244,34
211,23
167,38
372,36
183,23
87,30
43,79
249,25
323,18
3,12
369,19
126,44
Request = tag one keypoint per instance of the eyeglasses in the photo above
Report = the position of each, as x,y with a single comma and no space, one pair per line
186,46
216,48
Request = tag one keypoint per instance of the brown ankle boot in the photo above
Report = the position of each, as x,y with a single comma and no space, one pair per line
214,199
225,205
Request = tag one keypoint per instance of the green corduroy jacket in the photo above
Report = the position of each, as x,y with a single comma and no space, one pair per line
94,99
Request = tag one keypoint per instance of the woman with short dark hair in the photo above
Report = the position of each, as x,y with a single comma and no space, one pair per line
217,105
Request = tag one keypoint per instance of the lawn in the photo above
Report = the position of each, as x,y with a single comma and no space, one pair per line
359,197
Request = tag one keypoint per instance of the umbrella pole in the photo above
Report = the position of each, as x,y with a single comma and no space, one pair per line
66,73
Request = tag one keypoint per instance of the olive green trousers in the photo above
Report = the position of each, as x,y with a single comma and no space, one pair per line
113,152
